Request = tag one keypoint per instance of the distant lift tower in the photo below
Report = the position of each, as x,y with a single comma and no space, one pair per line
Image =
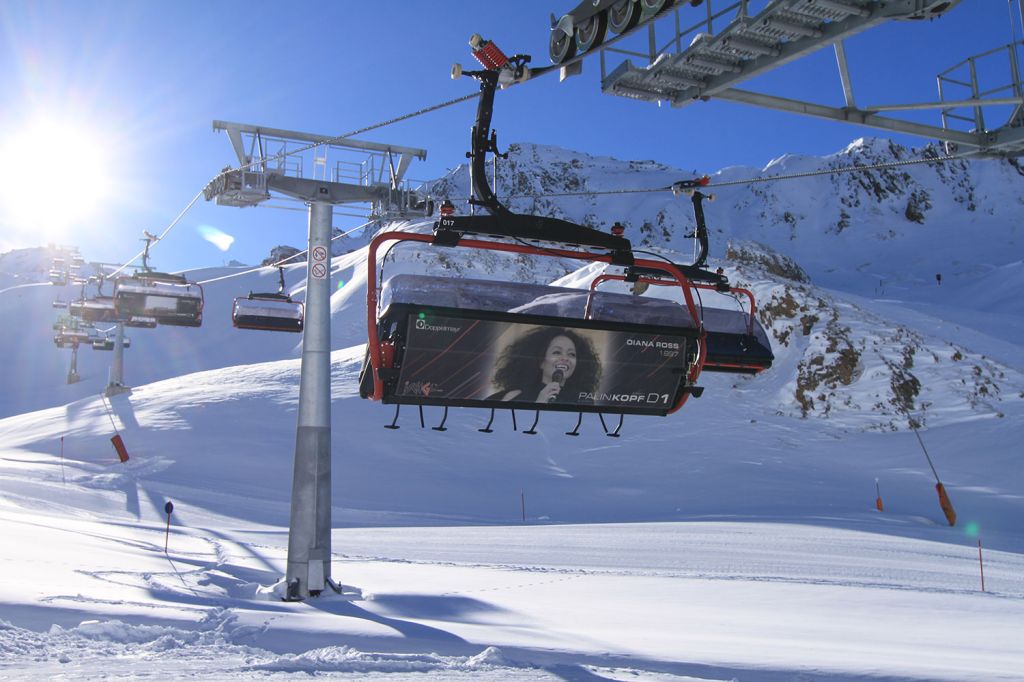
715,45
268,166
115,376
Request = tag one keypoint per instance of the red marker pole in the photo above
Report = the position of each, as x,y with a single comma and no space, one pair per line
169,507
981,566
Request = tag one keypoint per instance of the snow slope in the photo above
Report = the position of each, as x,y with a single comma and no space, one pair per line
736,540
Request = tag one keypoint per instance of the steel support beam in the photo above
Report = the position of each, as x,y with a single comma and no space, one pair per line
844,75
309,533
857,116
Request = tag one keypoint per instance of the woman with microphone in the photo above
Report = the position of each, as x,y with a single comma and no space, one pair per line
547,365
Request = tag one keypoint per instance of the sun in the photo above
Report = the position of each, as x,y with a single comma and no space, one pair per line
54,177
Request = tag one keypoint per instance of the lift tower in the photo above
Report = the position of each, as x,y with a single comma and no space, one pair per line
273,164
714,46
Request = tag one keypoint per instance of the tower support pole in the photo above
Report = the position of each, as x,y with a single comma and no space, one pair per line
309,533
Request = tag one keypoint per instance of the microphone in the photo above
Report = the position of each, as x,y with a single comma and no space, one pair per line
558,376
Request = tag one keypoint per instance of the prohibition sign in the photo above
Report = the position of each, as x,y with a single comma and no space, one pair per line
319,253
319,270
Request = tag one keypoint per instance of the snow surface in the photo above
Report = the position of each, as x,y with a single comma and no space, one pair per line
738,539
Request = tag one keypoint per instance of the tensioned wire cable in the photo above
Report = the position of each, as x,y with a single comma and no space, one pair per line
752,181
283,260
298,150
464,98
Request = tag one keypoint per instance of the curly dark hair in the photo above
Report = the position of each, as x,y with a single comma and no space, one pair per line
518,366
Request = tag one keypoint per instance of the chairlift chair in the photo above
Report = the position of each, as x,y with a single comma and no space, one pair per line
444,342
68,337
140,322
736,341
95,309
58,277
169,299
275,312
107,343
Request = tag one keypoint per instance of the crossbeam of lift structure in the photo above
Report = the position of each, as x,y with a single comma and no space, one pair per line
268,167
352,171
696,63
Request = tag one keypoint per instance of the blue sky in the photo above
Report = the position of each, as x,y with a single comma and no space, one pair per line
145,79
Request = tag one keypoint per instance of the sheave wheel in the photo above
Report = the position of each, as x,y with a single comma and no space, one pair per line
650,8
590,33
623,16
561,46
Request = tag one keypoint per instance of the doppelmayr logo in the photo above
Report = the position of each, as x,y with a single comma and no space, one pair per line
426,326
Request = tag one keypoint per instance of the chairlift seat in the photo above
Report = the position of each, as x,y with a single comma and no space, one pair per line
98,309
169,299
67,337
448,335
268,312
534,299
736,343
107,343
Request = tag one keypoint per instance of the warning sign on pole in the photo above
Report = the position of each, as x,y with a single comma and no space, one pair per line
318,268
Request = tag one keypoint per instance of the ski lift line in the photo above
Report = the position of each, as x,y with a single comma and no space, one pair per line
163,234
283,260
299,150
339,138
752,181
23,286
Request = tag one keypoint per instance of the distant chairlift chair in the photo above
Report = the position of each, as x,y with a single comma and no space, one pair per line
168,299
274,312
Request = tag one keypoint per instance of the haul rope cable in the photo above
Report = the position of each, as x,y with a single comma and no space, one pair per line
465,98
283,260
750,181
298,150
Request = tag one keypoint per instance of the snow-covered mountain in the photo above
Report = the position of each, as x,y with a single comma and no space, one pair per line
875,238
889,228
737,539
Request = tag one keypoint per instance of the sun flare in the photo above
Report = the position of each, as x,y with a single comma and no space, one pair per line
54,177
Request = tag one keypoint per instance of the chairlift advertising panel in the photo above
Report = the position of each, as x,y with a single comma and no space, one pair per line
482,359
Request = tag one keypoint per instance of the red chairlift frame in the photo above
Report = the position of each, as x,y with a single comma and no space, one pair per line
606,277
382,355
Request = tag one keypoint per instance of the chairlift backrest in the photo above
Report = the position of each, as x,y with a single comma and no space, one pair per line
736,341
458,342
73,336
268,312
169,299
107,343
96,309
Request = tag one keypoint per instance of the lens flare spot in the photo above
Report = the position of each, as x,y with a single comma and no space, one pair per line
972,529
218,238
341,283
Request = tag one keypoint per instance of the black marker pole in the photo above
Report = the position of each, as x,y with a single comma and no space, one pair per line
169,507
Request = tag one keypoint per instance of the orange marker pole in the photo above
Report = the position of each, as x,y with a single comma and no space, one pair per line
878,497
944,502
